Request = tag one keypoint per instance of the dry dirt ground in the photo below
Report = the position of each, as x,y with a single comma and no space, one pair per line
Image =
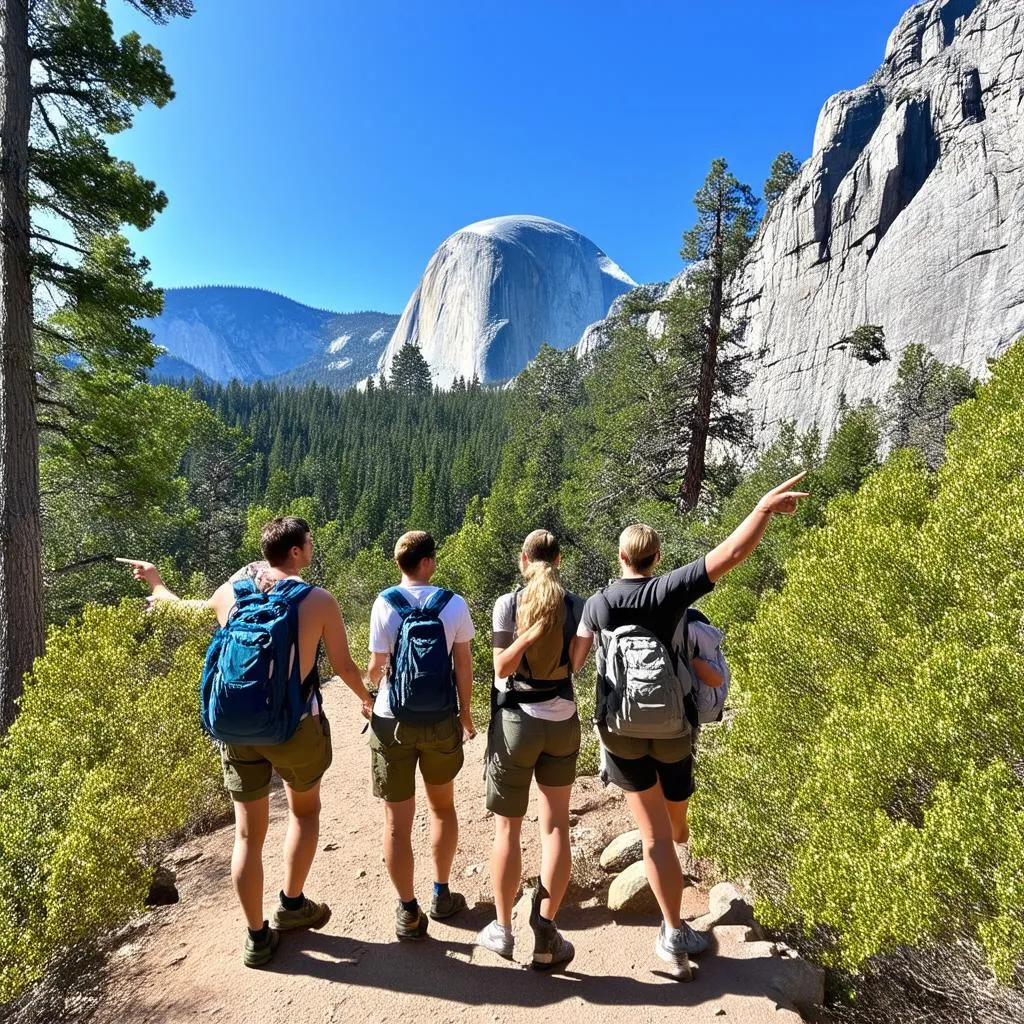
183,962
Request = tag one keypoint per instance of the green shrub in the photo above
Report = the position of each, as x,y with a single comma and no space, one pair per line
105,762
872,783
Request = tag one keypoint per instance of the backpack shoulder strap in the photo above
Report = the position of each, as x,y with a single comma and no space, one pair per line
438,601
394,597
292,591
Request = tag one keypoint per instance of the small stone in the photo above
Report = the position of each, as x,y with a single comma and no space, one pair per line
622,851
176,959
630,892
719,1012
473,869
330,846
361,873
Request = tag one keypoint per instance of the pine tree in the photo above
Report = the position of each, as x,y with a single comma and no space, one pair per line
785,168
715,246
54,161
410,372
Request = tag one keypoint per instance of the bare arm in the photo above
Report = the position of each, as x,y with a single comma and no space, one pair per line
462,655
338,653
579,650
707,673
159,591
378,666
508,659
737,547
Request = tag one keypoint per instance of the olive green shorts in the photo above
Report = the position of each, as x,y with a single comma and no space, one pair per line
397,747
519,746
300,761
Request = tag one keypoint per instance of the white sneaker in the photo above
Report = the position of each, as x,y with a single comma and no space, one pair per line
675,946
497,939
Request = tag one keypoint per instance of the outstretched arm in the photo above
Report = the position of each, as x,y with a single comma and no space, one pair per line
737,547
148,573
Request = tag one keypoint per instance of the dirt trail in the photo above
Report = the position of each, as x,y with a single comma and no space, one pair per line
183,962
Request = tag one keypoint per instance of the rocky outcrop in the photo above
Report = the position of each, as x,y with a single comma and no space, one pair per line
495,291
908,214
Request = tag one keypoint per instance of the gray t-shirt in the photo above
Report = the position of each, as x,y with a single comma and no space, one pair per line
558,709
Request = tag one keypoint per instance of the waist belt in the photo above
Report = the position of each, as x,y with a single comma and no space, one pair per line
532,691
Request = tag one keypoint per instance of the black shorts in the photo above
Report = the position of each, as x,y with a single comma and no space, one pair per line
637,774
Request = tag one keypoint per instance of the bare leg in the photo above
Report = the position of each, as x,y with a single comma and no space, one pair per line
398,845
555,850
251,821
506,866
444,827
680,825
301,838
650,811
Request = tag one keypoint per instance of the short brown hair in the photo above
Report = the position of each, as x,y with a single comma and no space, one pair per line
280,535
639,546
412,547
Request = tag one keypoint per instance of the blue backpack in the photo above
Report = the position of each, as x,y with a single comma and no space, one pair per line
421,685
251,690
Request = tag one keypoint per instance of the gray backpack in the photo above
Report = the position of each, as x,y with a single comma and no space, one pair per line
645,689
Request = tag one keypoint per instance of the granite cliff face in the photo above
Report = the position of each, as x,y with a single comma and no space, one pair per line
251,334
495,291
909,214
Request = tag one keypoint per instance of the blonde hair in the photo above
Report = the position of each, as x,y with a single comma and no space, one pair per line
412,547
639,545
541,599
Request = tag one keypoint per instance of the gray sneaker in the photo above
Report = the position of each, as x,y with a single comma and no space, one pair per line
676,945
497,939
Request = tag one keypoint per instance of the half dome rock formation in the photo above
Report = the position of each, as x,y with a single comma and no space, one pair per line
909,214
495,291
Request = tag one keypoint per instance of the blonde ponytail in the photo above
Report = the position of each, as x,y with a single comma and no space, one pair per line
542,597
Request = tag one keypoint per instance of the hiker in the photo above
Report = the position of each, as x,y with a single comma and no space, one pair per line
420,647
647,742
534,730
303,757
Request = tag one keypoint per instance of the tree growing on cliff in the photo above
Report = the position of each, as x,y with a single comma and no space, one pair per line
785,167
715,247
866,343
66,82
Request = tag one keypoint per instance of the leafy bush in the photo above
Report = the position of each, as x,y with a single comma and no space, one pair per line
873,785
105,762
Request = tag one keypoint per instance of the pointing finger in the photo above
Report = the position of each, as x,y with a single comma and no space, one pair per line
789,483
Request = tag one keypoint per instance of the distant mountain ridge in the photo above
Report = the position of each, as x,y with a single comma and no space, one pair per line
224,332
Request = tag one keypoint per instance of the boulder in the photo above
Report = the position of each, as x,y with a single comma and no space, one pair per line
630,892
622,851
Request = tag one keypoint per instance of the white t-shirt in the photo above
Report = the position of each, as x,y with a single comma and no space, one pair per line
557,709
385,623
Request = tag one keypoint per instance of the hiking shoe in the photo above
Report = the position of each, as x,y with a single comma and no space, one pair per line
309,915
410,924
497,939
446,905
257,953
551,949
676,945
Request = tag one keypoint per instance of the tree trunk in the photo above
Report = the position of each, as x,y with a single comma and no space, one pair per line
21,583
700,426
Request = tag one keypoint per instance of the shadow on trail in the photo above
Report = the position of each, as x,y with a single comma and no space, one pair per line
442,968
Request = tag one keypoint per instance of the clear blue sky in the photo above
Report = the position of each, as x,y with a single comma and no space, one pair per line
325,148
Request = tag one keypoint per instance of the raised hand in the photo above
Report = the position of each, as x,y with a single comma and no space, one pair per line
782,500
145,571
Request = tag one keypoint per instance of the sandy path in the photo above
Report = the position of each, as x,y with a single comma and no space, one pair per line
183,962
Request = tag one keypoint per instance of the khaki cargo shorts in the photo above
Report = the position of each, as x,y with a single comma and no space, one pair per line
397,747
301,761
520,746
